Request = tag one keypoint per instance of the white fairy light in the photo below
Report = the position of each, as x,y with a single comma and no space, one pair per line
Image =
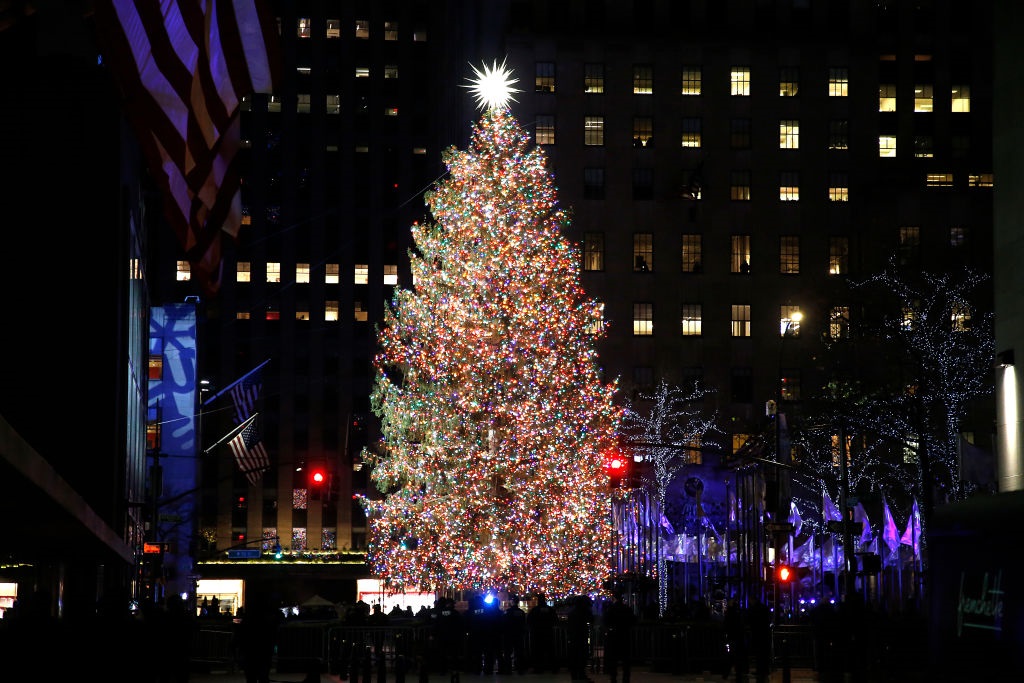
492,87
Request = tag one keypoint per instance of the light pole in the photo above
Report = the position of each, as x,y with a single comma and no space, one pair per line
783,453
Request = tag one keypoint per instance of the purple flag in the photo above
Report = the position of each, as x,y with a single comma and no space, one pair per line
829,511
912,535
889,533
794,518
861,515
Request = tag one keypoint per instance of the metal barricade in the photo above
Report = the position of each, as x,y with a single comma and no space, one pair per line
213,645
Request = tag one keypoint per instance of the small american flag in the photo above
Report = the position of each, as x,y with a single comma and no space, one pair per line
245,392
249,451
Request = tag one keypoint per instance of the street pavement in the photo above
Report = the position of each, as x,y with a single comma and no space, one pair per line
639,675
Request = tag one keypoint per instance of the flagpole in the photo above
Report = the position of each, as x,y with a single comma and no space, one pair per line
232,433
230,386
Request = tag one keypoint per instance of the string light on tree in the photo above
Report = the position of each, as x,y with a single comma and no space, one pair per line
494,419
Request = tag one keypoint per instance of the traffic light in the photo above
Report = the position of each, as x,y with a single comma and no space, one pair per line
784,574
317,481
617,466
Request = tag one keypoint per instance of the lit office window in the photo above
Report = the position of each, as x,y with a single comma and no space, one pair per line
838,187
361,314
887,146
593,130
789,81
789,320
691,80
362,276
390,71
334,28
739,81
839,322
692,256
980,180
691,318
593,251
960,101
789,388
390,274
789,186
887,97
643,319
302,315
789,255
922,98
184,271
544,79
333,104
303,27
302,103
390,30
838,255
362,28
362,72
273,272
545,130
243,271
593,78
643,79
332,274
740,321
739,186
739,257
331,310
960,318
302,273
789,134
838,82
691,132
939,180
242,315
643,252
643,130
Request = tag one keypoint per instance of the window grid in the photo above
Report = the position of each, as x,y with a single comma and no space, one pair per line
302,273
838,190
923,96
545,130
739,81
692,257
960,99
691,319
839,322
643,252
789,186
789,81
643,79
691,80
643,130
332,274
691,132
331,311
593,78
838,82
789,134
362,274
593,130
643,319
789,320
887,146
740,325
887,97
593,183
243,271
838,255
739,258
838,134
273,272
544,80
593,251
789,255
739,186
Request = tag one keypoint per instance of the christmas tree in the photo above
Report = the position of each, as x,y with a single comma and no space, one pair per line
494,418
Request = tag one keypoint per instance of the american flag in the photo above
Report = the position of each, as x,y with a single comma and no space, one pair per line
245,392
249,452
183,67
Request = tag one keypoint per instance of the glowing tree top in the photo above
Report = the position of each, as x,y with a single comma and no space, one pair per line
493,413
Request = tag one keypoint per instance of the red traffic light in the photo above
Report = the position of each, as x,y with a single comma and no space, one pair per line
317,476
617,467
784,573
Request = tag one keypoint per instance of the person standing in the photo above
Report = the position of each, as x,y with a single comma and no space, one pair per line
618,638
513,639
257,637
760,618
541,621
578,626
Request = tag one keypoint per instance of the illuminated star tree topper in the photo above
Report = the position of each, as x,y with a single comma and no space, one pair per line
492,87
